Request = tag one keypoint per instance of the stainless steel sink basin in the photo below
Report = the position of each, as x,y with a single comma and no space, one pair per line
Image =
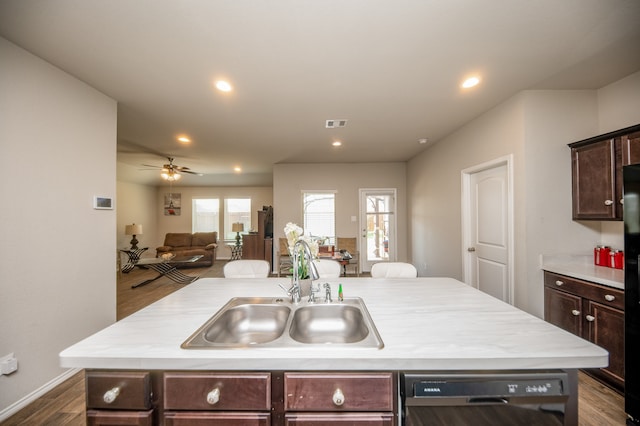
243,322
276,322
328,324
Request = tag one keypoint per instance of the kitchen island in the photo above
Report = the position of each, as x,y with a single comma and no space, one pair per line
426,324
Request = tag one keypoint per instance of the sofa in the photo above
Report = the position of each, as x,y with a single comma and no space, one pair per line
188,244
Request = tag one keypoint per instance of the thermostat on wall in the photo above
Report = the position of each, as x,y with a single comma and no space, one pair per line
102,203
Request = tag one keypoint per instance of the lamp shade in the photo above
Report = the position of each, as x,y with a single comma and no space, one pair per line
133,229
237,227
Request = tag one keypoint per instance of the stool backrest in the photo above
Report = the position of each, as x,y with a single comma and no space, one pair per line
327,268
393,270
246,268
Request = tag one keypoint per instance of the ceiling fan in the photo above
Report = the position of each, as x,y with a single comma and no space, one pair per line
172,172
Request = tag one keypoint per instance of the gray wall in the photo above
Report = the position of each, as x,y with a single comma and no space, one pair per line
57,257
290,180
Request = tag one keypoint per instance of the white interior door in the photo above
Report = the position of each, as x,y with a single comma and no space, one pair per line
377,227
488,234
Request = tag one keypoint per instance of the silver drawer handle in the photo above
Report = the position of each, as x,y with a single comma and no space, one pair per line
338,397
590,318
609,297
608,202
558,282
110,396
575,312
213,397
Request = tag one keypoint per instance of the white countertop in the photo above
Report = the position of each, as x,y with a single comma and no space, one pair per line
425,323
582,267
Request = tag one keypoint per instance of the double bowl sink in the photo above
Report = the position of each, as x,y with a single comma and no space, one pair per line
274,322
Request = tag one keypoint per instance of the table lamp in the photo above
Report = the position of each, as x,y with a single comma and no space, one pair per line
237,228
134,230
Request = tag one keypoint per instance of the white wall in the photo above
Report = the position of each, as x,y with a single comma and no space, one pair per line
434,185
289,180
536,127
260,196
618,107
136,204
57,275
552,119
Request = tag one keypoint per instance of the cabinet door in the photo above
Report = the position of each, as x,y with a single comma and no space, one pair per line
631,148
216,419
339,391
594,180
346,419
122,418
605,328
564,310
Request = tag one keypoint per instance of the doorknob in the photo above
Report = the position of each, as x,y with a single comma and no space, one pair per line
471,249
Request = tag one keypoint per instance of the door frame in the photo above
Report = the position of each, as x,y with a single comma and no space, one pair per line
362,225
466,174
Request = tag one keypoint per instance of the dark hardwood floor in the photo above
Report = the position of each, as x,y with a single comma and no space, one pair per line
65,404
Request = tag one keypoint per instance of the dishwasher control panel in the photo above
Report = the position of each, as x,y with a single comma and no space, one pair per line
471,387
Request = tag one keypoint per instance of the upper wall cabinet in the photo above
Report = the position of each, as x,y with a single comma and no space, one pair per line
596,166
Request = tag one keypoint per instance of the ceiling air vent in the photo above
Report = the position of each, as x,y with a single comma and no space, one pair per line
333,124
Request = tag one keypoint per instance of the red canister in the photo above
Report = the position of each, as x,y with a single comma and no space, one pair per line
601,256
618,259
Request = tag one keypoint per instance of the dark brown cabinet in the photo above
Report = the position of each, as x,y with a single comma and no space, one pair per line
596,165
593,312
193,398
120,398
326,399
230,399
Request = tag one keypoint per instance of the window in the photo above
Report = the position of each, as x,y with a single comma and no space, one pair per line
206,215
319,215
236,210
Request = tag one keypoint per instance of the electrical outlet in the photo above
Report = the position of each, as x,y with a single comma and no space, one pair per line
8,364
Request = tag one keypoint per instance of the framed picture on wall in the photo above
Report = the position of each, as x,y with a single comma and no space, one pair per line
172,204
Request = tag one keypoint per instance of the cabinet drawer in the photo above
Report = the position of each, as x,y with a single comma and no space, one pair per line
346,419
216,419
602,294
118,390
124,418
338,391
217,391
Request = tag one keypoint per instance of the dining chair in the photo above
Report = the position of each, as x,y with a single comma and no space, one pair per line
393,270
328,268
283,260
349,244
246,268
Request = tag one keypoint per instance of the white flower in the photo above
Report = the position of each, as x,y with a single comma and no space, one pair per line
293,233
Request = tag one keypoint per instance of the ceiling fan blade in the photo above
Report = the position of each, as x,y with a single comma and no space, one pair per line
149,165
191,173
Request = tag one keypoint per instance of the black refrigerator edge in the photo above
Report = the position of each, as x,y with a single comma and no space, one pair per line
631,176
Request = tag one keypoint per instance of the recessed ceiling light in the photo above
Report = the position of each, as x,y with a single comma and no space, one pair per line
184,139
336,143
223,86
422,141
470,82
237,169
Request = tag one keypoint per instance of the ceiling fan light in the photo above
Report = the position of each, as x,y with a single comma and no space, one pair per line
164,175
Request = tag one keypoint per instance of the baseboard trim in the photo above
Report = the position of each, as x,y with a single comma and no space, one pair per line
28,399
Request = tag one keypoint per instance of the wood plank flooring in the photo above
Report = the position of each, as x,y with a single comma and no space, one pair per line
65,404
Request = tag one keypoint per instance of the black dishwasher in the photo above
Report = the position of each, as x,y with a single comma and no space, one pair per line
487,398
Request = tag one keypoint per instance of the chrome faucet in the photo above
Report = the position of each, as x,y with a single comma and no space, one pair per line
295,290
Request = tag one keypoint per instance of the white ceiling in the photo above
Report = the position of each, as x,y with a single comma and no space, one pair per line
392,68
